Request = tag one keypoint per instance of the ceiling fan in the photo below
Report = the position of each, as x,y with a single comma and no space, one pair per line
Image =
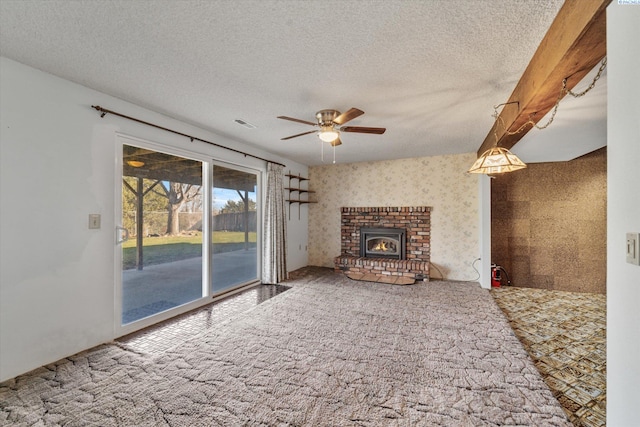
330,123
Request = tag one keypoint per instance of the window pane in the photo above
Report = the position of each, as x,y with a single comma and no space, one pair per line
162,212
234,228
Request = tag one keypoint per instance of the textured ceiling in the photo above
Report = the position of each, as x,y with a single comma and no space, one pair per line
428,71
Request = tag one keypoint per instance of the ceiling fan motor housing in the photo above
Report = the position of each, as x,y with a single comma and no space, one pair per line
331,124
326,117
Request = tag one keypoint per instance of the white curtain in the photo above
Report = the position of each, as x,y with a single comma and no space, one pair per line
274,251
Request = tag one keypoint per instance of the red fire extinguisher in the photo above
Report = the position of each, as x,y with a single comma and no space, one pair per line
496,278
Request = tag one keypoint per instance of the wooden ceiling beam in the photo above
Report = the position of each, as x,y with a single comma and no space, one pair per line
574,44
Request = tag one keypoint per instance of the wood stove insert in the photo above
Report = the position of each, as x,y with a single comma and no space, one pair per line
383,242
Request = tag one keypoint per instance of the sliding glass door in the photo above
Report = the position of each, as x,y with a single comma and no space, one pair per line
188,231
234,227
162,211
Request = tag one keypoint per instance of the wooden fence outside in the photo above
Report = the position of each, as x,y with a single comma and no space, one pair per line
155,223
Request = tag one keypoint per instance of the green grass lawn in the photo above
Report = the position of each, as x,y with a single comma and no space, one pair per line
158,250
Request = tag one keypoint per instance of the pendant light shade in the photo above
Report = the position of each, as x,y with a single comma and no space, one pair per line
497,160
328,136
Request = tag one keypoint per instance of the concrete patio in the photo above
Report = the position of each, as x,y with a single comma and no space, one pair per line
160,287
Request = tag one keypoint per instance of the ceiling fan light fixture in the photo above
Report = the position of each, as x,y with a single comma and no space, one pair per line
135,163
328,134
330,124
497,160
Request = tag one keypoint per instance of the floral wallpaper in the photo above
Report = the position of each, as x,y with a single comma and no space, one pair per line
440,182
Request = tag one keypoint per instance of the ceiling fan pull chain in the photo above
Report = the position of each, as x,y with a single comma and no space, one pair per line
334,154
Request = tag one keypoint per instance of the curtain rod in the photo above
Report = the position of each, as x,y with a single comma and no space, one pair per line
104,112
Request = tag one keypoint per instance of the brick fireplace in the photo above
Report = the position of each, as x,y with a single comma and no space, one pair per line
415,224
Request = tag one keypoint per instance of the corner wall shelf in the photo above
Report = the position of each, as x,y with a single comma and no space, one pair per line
301,192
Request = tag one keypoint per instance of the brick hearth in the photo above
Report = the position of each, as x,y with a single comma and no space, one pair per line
417,223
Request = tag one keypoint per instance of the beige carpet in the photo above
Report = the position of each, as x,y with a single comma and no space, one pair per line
329,352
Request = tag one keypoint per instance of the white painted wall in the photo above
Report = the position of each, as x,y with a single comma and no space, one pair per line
623,214
484,217
298,221
57,165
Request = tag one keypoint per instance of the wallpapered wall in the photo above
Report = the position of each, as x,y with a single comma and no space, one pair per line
440,182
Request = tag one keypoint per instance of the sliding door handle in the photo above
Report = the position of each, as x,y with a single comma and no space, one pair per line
122,235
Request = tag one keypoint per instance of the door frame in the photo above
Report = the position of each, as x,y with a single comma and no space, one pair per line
208,163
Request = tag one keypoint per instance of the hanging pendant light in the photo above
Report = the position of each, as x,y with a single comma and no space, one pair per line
497,160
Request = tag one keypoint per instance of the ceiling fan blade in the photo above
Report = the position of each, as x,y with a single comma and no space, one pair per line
348,115
300,134
336,142
360,129
297,120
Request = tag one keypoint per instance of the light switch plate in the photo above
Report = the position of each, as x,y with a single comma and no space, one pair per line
633,248
94,221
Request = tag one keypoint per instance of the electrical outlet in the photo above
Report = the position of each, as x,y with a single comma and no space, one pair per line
633,248
94,221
